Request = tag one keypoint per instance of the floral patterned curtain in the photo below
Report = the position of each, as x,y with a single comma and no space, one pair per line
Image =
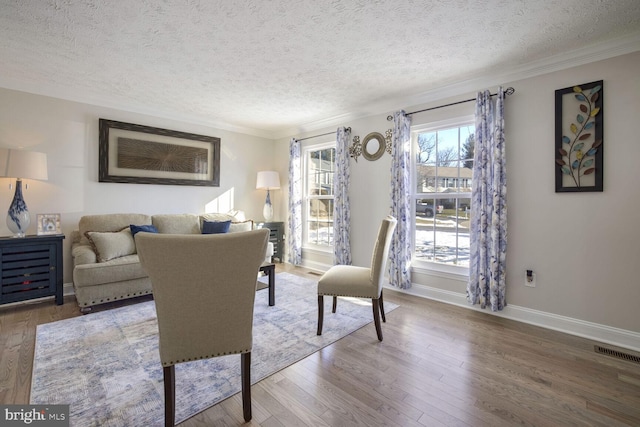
295,203
341,207
400,250
487,264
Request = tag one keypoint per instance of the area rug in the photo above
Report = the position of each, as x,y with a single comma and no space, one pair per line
106,365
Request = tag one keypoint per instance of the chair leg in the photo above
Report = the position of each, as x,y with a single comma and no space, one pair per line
376,318
245,373
384,318
320,313
169,375
335,303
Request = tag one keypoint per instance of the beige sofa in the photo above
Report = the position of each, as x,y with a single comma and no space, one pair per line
105,262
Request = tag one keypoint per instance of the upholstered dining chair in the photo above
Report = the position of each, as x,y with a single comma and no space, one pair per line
361,282
204,288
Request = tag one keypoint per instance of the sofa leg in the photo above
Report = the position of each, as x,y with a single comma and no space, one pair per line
85,310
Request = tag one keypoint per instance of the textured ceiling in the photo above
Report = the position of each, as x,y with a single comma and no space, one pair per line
275,65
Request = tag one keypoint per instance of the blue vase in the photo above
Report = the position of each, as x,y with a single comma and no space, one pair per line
18,218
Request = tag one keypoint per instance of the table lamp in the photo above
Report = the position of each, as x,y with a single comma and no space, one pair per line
268,180
23,165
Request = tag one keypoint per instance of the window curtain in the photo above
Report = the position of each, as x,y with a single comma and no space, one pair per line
400,250
295,203
488,232
341,207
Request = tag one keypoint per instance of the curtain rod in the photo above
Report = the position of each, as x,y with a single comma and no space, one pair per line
508,91
324,134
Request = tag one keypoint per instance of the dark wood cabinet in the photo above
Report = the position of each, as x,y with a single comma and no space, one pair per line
31,267
276,236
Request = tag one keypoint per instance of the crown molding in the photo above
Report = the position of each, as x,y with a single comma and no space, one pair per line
70,94
559,62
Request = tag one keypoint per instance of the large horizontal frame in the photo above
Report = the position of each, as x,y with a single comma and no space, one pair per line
130,153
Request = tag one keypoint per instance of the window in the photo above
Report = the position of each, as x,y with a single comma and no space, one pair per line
319,165
442,196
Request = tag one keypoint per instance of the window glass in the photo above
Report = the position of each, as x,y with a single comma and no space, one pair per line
442,198
318,204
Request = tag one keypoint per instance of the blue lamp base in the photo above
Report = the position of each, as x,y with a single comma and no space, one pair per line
18,218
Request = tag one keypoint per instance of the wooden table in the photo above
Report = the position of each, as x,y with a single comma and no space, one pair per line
270,270
276,236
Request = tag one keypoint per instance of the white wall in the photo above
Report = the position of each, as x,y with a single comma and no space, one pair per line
583,247
68,133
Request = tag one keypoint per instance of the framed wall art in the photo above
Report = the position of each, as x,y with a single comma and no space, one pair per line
131,153
48,224
578,140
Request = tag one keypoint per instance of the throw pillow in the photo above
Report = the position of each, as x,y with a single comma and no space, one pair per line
146,228
111,244
215,227
241,226
177,223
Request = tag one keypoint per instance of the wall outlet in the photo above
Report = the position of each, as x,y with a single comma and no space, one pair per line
530,279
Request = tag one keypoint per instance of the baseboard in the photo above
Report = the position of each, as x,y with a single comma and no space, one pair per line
317,267
594,331
67,289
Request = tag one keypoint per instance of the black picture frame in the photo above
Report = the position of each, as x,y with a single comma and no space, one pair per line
137,154
579,143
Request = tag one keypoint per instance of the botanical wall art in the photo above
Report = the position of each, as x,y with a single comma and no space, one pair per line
139,154
579,143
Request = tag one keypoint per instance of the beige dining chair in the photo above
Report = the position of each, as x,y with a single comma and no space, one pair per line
360,282
204,288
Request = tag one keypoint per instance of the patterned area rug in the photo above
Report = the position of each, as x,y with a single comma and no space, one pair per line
107,367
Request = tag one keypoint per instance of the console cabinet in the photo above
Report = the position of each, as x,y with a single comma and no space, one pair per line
31,267
276,236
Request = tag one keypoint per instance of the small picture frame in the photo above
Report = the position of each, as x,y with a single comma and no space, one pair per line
48,224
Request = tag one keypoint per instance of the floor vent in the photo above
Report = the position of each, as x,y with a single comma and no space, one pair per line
313,273
618,354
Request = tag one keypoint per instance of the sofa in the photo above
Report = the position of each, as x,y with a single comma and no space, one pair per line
106,267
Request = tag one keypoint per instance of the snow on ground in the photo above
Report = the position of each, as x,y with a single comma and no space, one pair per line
443,240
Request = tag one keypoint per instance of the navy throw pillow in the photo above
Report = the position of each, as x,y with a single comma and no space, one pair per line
215,227
147,228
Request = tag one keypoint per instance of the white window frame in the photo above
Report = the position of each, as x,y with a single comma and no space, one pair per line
421,265
305,197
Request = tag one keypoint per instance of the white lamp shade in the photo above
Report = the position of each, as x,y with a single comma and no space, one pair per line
268,180
26,164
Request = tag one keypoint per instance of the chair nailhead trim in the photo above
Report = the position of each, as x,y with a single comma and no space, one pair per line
170,363
344,295
94,302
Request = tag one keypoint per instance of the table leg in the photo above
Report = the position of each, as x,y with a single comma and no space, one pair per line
272,285
59,294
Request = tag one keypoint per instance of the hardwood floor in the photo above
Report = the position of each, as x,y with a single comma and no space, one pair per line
439,365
